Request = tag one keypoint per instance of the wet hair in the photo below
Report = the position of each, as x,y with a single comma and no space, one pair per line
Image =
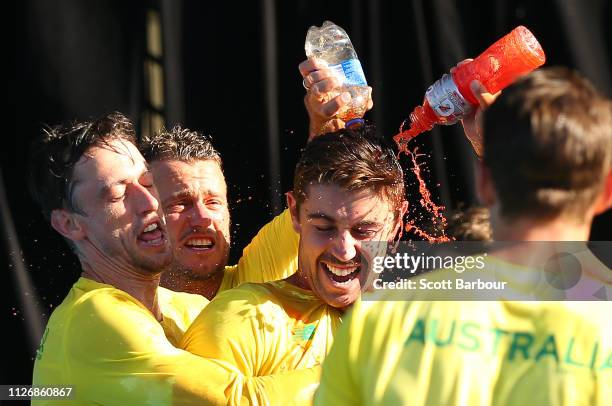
353,159
54,155
179,144
548,144
470,224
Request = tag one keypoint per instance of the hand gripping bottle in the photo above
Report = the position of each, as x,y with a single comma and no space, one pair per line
450,98
332,44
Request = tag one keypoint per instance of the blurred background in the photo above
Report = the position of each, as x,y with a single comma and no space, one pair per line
229,69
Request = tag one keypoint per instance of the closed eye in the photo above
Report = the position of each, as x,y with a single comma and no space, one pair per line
177,206
117,193
325,228
146,180
364,233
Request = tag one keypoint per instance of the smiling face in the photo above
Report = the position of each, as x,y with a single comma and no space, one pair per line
333,223
194,200
122,219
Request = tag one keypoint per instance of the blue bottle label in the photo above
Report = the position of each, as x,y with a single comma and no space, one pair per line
351,72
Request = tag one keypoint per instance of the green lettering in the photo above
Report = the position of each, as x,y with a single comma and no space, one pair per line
594,355
41,348
568,355
417,333
608,363
520,342
498,334
475,343
434,334
304,334
548,348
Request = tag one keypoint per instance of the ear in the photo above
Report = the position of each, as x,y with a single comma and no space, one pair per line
294,211
484,185
67,224
604,201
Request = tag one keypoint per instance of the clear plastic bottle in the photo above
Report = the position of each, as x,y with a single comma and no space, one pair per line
331,44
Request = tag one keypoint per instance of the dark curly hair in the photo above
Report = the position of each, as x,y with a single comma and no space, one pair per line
54,155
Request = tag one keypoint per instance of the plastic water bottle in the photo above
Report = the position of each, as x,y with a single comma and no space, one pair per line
331,44
450,99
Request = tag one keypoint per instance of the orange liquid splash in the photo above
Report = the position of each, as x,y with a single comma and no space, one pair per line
436,211
422,119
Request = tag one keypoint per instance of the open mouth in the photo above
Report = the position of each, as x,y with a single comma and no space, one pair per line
152,234
341,275
200,243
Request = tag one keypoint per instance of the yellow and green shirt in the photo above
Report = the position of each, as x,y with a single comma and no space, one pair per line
267,330
470,353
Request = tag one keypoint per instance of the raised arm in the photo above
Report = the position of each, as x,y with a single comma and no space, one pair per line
322,108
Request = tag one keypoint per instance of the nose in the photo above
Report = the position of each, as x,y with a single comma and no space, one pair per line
147,199
344,246
200,215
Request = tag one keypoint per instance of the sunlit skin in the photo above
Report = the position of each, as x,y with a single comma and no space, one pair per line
333,225
194,200
114,191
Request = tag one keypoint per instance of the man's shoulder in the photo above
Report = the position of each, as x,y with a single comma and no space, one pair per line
94,317
179,300
87,296
246,300
233,310
180,307
249,292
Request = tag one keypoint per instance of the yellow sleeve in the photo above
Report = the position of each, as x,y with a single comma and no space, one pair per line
338,384
236,328
271,255
116,353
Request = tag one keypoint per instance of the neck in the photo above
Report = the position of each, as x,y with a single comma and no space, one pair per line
180,281
533,229
530,229
137,283
300,280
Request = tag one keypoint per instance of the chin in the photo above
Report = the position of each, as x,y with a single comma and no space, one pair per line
154,267
196,270
342,302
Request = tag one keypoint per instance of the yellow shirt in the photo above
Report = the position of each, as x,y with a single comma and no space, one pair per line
470,353
267,330
112,349
270,256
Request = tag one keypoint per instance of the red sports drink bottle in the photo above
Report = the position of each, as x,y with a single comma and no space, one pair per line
450,98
